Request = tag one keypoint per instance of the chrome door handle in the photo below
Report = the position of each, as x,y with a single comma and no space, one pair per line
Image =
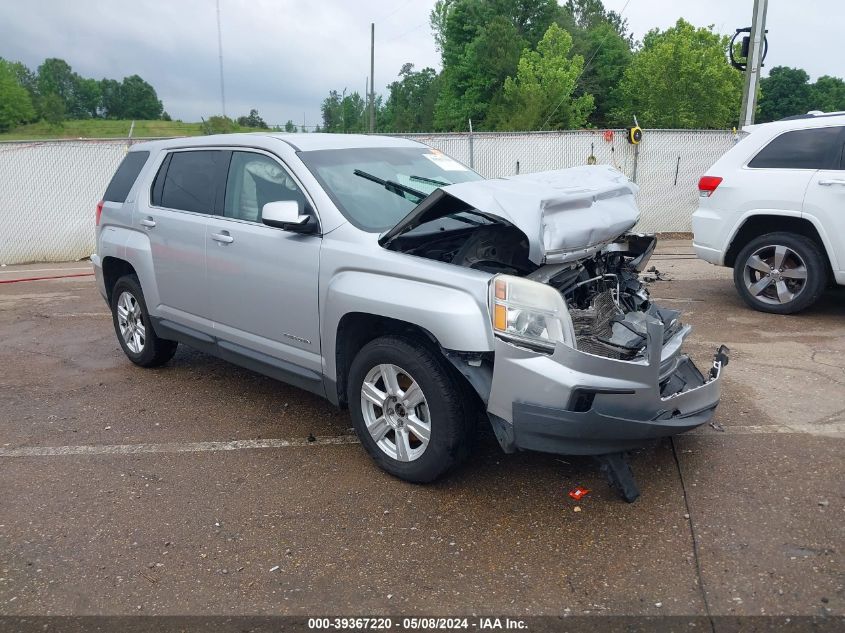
832,181
223,238
148,222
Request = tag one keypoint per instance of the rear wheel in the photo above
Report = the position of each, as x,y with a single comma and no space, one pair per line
408,409
133,328
780,273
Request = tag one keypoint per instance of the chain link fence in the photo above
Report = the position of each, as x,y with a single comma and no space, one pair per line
49,189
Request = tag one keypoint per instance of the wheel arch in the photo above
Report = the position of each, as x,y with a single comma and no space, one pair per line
113,269
355,330
757,225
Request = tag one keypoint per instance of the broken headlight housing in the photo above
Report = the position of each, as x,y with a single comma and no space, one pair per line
529,314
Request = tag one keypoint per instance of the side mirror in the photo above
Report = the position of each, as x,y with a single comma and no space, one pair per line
284,214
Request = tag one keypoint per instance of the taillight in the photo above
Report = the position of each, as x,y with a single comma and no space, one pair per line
707,185
99,213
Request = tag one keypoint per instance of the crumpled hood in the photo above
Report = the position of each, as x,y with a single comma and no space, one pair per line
565,214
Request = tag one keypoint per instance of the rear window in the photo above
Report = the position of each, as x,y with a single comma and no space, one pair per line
187,181
818,148
125,176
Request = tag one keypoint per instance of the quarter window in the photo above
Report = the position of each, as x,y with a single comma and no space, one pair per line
189,181
254,180
817,148
125,176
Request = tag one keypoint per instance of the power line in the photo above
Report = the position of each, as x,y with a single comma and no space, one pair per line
586,66
395,11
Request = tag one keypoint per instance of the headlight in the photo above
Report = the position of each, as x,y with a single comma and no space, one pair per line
529,313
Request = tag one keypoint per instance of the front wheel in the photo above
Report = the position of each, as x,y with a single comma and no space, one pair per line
780,273
408,409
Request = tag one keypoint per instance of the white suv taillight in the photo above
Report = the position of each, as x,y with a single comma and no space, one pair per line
707,185
99,213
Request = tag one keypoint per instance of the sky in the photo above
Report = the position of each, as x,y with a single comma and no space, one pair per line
283,56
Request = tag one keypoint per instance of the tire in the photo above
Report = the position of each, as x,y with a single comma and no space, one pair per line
794,265
136,335
445,407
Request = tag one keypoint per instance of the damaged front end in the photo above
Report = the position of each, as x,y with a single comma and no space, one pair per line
583,362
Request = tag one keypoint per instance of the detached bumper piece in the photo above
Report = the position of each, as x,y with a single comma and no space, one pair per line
687,399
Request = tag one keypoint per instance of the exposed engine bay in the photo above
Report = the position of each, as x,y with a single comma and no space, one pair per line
608,302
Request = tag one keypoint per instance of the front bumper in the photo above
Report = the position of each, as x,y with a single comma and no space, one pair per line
580,404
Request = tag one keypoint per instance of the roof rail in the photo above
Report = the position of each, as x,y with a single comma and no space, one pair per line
812,114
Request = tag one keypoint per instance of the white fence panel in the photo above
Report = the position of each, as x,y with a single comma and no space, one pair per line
48,195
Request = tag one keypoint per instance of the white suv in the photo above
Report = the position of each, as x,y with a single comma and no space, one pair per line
773,209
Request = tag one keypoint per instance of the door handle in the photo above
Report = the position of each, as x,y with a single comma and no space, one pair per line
148,222
223,238
832,181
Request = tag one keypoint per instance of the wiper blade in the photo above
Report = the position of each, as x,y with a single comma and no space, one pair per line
431,181
391,186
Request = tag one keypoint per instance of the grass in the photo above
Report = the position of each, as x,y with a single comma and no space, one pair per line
100,128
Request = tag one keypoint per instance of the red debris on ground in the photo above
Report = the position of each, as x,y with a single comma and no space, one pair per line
578,493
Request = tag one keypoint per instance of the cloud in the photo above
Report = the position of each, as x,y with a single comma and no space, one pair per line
279,56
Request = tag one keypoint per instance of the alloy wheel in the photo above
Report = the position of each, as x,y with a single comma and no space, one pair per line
130,322
775,274
396,412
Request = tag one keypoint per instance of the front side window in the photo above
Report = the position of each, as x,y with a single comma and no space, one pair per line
817,148
187,181
254,180
374,188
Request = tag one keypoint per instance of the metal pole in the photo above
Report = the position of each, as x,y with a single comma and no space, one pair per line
471,148
372,78
220,54
754,62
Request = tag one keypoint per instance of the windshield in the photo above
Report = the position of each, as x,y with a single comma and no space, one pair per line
376,187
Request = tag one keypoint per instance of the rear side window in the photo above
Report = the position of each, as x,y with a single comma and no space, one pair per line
125,176
818,148
187,181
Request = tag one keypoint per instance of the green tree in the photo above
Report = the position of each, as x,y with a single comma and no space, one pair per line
332,112
290,127
139,99
111,99
472,86
786,91
253,119
680,79
53,109
87,97
540,96
607,55
15,102
56,77
410,104
589,14
480,42
218,124
828,94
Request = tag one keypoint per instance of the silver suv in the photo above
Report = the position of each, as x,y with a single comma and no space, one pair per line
393,280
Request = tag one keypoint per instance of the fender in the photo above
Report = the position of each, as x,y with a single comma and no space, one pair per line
826,242
456,317
135,247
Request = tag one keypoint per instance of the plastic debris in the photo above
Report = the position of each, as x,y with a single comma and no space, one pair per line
576,509
716,425
578,492
274,568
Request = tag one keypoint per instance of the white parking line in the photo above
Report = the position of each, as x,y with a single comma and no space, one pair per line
835,429
19,271
188,447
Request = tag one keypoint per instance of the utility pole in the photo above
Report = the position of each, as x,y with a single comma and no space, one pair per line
372,81
755,61
220,52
